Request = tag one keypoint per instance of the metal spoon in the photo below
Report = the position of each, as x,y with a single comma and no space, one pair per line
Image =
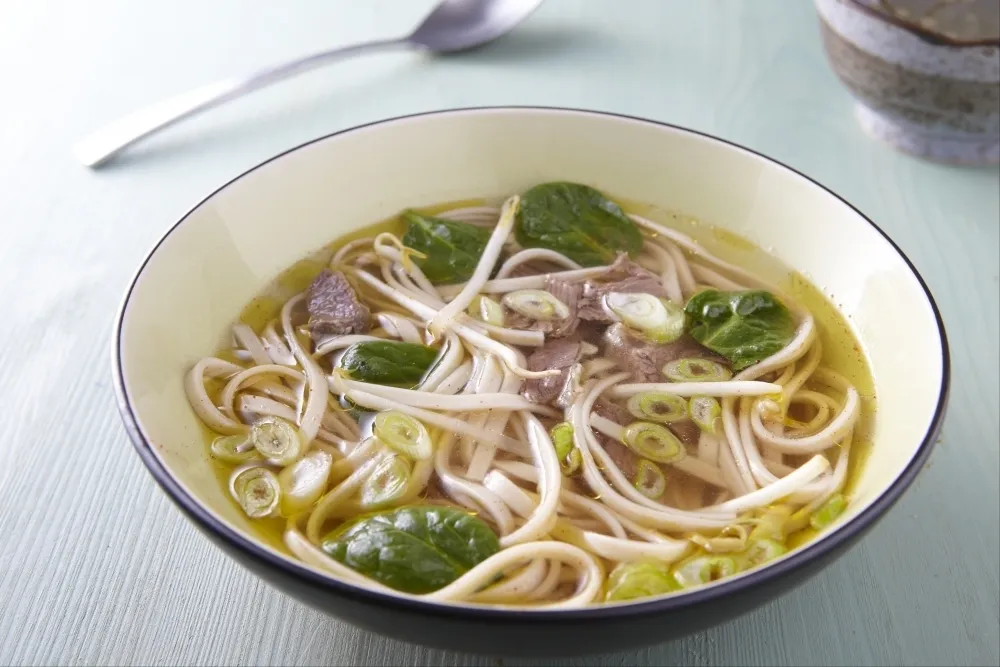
454,25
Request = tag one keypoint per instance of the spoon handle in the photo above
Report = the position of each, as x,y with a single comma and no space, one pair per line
110,140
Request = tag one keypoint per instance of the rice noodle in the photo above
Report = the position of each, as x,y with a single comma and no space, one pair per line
534,254
399,327
668,272
482,457
560,520
491,253
474,496
449,361
591,574
204,407
617,549
511,357
458,403
544,517
688,389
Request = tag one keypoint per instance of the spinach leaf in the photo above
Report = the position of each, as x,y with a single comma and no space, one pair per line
413,549
577,221
388,362
453,248
744,327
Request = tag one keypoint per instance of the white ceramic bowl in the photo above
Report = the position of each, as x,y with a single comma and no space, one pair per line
221,254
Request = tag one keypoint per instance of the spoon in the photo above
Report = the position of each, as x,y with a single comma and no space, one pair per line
454,25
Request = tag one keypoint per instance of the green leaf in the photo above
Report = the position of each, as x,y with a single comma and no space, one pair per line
388,362
830,510
413,549
452,248
577,221
744,327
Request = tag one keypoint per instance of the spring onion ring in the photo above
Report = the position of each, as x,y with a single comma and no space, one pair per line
276,440
404,434
257,491
232,448
536,304
702,570
654,442
706,412
656,319
693,369
649,479
387,483
657,406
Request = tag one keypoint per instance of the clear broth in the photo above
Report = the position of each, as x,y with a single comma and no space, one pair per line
842,351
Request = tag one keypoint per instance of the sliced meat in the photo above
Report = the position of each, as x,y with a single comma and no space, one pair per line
623,457
644,358
627,460
686,431
591,332
616,412
569,294
622,276
334,307
559,353
584,297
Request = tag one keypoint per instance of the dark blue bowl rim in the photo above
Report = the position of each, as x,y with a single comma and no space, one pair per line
698,597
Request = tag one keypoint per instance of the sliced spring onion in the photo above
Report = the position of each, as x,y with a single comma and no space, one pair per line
656,406
772,523
573,462
693,369
830,510
562,439
486,309
276,440
706,413
654,442
387,482
649,479
638,579
404,434
536,304
303,482
799,520
762,551
232,448
256,490
730,539
702,570
568,455
657,319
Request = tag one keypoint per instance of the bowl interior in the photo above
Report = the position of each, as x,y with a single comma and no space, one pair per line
234,243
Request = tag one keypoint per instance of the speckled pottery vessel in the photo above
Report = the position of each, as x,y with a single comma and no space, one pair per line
926,73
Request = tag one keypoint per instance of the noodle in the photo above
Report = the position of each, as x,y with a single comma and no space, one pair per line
566,484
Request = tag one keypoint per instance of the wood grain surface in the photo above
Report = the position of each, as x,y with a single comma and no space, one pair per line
96,565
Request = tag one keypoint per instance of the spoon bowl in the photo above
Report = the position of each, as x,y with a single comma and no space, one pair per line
459,25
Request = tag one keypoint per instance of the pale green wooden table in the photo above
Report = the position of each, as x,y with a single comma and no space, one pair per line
97,567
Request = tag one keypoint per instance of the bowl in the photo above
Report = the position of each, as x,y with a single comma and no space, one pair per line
925,73
212,262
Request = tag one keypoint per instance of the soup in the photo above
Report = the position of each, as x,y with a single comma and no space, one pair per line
549,403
